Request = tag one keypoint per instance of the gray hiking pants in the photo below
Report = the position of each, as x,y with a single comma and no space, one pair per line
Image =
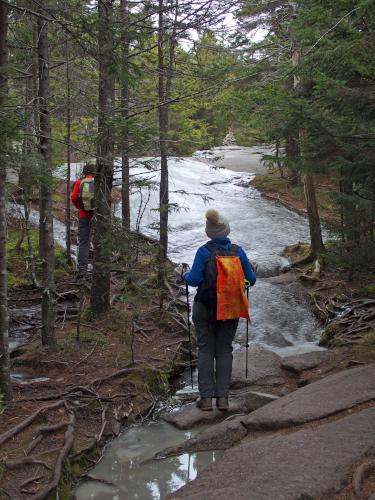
214,340
84,244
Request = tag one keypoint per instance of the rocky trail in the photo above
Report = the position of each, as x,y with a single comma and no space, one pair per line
316,441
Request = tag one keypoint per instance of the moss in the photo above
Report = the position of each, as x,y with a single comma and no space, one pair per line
366,291
18,274
328,336
367,341
270,182
297,251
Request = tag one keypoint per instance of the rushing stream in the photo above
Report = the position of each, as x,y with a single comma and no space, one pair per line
281,321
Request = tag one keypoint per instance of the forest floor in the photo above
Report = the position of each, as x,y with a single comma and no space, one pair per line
104,374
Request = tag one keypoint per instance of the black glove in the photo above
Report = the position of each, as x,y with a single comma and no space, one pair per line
184,268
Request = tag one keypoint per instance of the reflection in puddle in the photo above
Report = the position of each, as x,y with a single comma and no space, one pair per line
129,472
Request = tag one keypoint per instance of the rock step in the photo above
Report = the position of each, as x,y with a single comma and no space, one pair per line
305,464
219,436
320,399
307,361
240,402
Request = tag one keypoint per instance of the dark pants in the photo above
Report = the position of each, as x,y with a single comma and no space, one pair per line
214,352
84,244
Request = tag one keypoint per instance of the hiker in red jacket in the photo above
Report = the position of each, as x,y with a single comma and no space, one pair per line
83,198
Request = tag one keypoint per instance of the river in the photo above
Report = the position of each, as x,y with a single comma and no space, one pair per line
281,320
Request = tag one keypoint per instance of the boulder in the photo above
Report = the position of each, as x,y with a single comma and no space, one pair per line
306,361
264,367
315,401
305,464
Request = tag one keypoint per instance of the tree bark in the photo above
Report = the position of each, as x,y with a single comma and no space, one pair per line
292,153
46,241
163,135
5,384
100,290
68,158
317,245
125,94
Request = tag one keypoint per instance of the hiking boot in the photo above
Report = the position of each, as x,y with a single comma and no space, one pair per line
222,404
204,404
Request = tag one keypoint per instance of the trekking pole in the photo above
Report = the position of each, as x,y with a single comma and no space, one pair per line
189,330
185,267
247,330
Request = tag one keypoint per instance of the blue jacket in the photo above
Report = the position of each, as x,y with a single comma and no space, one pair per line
196,275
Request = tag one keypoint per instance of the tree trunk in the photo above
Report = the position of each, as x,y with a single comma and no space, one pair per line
292,153
316,244
68,158
163,135
313,215
5,384
125,94
46,241
100,290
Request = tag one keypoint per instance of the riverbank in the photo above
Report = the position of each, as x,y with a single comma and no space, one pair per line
104,375
343,300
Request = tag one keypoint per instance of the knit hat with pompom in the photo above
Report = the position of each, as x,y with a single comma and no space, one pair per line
217,226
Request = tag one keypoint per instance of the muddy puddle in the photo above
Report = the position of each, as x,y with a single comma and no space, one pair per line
128,465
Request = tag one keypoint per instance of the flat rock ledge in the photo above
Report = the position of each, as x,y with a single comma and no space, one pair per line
304,464
302,362
323,398
240,402
219,436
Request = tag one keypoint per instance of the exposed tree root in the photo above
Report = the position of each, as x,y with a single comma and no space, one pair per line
13,464
68,443
30,480
18,428
45,429
359,476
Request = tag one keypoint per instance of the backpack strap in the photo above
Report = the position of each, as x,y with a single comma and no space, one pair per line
211,247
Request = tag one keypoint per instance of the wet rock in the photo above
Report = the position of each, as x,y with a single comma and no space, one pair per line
240,402
229,139
189,416
217,437
264,368
304,464
320,399
306,361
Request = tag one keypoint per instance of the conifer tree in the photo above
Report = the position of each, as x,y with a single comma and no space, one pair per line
5,384
101,285
46,237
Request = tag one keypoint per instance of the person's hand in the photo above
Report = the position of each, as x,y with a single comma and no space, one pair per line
184,268
181,269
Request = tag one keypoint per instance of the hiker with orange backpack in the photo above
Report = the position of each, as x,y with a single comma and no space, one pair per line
82,197
219,271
